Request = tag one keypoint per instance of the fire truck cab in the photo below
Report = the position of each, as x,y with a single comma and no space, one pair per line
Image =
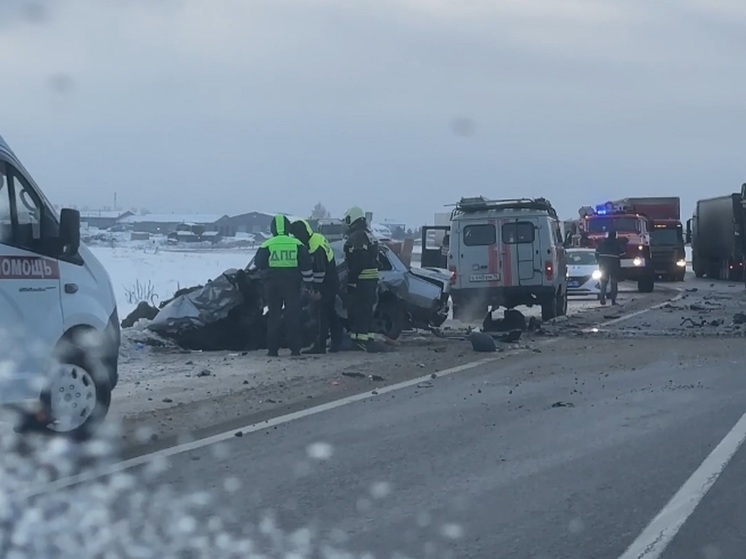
633,232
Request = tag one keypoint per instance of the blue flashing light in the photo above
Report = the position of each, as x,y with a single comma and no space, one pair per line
605,209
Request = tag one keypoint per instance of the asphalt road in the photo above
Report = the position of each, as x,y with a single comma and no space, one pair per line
565,453
568,451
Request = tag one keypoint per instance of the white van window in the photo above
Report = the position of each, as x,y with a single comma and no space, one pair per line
479,235
518,233
32,228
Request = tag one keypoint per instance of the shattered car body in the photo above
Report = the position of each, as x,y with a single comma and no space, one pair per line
407,298
229,312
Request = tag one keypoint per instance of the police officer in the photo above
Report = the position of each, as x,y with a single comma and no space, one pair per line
288,267
361,255
326,283
608,254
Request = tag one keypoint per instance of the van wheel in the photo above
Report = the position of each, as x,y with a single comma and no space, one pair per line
78,397
561,304
646,284
549,308
389,319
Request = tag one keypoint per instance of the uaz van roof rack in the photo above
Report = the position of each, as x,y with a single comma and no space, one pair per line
480,204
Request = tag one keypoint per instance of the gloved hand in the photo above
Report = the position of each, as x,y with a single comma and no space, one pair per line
314,295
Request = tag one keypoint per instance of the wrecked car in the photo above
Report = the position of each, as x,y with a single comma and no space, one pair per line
229,311
407,297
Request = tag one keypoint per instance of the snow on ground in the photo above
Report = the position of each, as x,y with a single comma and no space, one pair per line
160,272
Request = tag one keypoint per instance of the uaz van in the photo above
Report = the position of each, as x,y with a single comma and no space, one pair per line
59,330
506,253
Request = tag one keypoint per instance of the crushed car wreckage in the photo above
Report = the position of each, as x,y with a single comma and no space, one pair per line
229,311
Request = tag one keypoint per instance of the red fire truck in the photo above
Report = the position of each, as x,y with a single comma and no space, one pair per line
633,231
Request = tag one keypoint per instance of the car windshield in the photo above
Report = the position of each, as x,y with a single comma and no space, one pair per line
581,257
619,224
666,236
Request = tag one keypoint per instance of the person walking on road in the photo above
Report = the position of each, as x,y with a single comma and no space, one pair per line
326,284
361,255
288,267
608,254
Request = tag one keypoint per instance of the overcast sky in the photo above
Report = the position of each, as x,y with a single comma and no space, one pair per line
399,106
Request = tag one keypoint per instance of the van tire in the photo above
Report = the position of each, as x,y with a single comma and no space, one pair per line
389,319
549,307
561,304
101,379
646,284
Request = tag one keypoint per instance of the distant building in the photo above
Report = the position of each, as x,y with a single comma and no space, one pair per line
442,218
163,224
253,222
103,219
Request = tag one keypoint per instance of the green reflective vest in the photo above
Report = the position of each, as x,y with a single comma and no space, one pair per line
283,251
317,241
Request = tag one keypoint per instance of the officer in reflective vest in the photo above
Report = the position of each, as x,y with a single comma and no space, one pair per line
326,282
361,255
288,266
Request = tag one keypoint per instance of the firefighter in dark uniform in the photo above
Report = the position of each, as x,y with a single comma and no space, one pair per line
609,254
361,255
326,283
288,267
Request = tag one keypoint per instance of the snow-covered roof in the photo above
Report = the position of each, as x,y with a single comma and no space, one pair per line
106,214
273,214
173,218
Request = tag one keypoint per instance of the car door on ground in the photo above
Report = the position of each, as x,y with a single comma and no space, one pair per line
30,311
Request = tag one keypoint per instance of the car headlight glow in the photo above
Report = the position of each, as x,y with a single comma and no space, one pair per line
637,261
596,275
681,263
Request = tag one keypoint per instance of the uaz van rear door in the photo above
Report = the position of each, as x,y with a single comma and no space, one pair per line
478,256
522,247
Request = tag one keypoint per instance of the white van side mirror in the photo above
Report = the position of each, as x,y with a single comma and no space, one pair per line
70,231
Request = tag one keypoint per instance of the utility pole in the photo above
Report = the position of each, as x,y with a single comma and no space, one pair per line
115,201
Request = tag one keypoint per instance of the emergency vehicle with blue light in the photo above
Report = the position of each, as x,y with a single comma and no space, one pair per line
633,232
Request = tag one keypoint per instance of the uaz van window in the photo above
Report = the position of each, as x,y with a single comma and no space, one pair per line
480,235
518,232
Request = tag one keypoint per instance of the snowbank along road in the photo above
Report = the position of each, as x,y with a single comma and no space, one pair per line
616,433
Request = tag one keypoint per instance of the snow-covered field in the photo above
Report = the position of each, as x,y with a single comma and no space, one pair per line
160,272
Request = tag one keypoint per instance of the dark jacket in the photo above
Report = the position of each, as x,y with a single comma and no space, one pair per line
324,263
283,255
609,253
361,253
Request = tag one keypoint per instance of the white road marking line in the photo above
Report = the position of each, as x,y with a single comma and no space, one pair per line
654,540
228,435
636,313
272,422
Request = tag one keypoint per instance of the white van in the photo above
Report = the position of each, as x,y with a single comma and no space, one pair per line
506,253
59,329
